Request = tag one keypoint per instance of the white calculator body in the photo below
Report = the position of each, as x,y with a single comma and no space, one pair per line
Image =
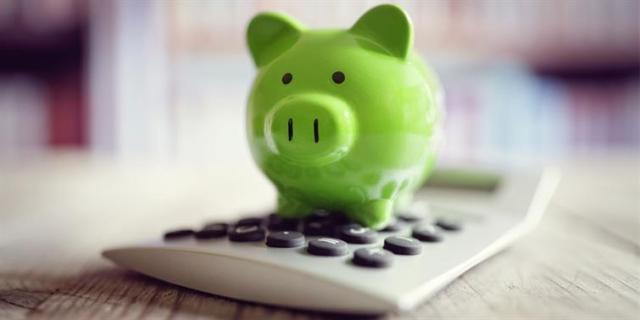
448,231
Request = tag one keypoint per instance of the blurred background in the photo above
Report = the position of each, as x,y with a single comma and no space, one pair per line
167,81
121,119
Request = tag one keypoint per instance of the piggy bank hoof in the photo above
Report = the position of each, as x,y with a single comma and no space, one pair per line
373,214
292,208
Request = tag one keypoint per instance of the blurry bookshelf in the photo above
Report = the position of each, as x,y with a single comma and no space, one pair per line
42,62
529,80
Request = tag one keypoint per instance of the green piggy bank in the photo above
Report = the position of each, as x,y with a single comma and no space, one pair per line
342,120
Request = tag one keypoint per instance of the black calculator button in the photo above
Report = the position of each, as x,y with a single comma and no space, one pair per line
354,233
323,227
251,221
403,245
285,239
410,216
426,233
277,223
327,247
372,257
448,225
340,219
216,225
247,233
177,234
319,214
212,231
393,226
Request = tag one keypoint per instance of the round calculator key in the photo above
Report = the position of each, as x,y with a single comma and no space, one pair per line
251,221
212,231
354,233
285,239
448,225
393,226
410,216
319,214
247,233
318,227
215,225
426,233
372,257
327,247
277,223
339,219
403,245
178,234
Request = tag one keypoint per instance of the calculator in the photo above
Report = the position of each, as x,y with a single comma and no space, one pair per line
325,262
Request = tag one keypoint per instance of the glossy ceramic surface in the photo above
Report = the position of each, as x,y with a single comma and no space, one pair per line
343,120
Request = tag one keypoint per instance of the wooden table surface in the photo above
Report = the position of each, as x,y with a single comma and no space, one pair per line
58,213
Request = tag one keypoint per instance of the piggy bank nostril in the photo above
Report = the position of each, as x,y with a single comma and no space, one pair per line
316,132
290,127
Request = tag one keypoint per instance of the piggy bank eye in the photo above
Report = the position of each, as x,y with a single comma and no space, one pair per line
338,77
286,78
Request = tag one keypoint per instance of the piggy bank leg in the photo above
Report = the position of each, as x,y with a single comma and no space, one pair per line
373,214
291,208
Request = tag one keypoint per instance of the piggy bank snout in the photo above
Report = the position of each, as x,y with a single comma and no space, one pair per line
310,129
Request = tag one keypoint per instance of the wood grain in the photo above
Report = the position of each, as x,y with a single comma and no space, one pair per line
582,262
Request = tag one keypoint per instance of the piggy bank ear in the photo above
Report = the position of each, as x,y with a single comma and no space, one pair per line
388,26
270,34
